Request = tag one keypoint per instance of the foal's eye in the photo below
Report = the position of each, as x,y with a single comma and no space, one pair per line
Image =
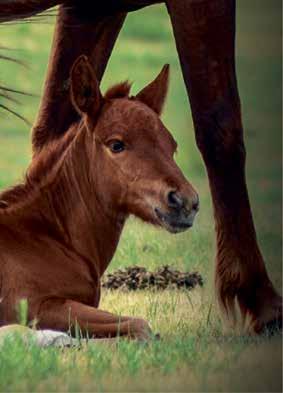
116,146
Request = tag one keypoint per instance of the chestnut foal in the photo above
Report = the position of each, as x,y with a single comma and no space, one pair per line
60,229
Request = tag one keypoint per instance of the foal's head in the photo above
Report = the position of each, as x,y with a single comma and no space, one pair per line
134,165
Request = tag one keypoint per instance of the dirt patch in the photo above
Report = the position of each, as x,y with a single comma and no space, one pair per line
136,277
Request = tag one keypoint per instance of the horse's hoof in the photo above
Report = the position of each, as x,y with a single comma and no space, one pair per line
270,322
273,327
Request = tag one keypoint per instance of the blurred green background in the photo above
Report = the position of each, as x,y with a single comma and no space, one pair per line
196,355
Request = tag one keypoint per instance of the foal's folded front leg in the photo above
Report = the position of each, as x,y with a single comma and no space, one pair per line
63,315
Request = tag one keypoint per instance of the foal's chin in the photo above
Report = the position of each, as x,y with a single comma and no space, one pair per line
173,223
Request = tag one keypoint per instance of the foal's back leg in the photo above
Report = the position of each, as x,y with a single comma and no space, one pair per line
63,315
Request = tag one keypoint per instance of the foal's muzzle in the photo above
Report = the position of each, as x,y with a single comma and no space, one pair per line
180,212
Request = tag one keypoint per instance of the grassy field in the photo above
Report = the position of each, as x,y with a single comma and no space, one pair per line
196,353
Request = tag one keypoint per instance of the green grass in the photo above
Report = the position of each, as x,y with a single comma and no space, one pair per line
196,352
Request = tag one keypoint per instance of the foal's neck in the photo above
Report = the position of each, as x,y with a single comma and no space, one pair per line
87,224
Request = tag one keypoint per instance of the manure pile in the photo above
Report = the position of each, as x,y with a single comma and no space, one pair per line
137,277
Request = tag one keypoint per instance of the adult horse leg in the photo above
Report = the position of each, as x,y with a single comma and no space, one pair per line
88,28
205,37
64,315
73,36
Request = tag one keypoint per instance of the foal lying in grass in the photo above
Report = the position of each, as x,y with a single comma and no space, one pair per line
60,228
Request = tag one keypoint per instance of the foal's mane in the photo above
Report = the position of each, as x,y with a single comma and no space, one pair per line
45,163
39,172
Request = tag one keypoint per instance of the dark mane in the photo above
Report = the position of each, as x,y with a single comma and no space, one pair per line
120,90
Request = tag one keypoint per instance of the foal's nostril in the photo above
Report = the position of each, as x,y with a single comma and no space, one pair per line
174,200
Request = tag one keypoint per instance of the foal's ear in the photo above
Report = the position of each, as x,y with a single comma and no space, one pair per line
85,93
154,94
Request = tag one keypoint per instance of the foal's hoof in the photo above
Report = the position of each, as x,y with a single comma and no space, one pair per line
140,330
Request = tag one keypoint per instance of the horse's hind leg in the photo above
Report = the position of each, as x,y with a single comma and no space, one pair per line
205,36
64,315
